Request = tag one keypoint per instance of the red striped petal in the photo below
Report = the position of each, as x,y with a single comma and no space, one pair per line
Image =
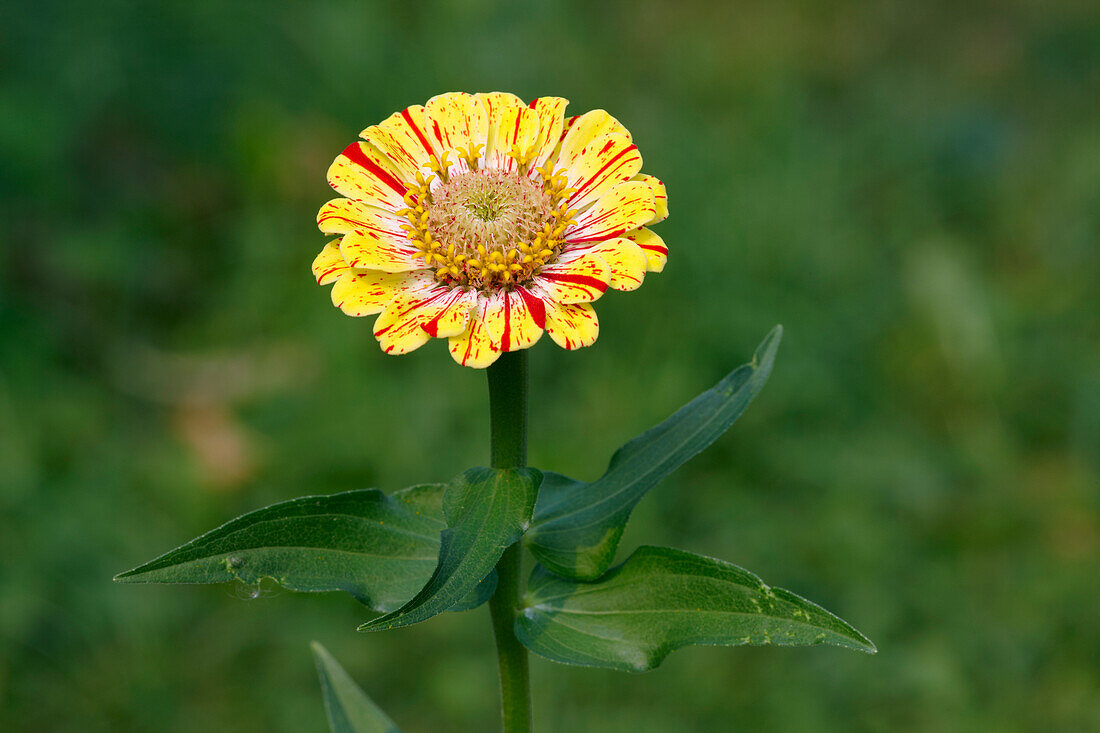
364,173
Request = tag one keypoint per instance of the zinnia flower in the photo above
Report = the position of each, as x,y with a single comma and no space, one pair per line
487,221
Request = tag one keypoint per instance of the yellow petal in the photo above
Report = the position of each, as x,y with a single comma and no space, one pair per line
578,276
624,207
495,104
660,195
514,319
654,247
450,314
572,326
606,161
475,347
418,313
583,130
402,138
364,249
329,265
626,262
341,216
511,124
364,173
551,112
455,120
366,292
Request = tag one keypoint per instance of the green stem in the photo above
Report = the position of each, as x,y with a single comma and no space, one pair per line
508,426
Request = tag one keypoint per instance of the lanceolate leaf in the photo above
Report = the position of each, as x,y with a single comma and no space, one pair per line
381,549
662,599
577,525
486,510
348,707
480,594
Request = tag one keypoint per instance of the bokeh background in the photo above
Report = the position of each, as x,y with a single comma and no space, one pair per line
913,190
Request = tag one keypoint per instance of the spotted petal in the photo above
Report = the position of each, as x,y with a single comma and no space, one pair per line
366,292
626,262
365,249
660,195
654,247
475,346
572,326
625,207
402,138
329,264
456,120
373,237
551,111
364,173
578,276
495,104
342,216
514,319
421,312
512,124
606,161
583,130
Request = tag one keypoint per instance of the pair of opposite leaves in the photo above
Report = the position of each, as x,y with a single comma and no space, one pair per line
432,548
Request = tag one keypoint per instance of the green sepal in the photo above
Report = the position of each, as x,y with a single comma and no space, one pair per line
381,549
577,525
660,600
348,708
486,509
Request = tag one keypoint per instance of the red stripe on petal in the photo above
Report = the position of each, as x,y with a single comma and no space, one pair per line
604,167
416,128
535,306
583,280
477,320
432,325
413,306
326,217
598,236
355,154
506,335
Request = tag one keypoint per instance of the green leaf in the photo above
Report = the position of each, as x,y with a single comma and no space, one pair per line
486,509
480,594
348,707
381,549
662,599
577,525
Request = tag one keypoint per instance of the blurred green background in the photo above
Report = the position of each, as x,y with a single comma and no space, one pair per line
913,190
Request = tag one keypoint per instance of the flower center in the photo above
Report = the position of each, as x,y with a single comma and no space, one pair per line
491,208
487,229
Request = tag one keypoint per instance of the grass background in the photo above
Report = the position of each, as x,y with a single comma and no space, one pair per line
913,190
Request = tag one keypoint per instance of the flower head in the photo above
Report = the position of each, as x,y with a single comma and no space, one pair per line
487,221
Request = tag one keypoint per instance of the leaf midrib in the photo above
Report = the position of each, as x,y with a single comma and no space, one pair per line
413,558
558,612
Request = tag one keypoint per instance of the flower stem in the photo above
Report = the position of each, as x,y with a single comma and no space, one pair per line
508,448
